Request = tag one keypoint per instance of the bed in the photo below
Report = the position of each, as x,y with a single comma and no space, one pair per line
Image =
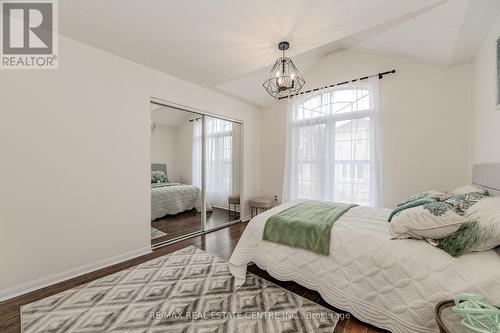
392,284
173,198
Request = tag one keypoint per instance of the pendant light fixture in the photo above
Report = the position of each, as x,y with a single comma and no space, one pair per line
284,78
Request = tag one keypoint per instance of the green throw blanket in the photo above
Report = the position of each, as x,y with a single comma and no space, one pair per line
306,225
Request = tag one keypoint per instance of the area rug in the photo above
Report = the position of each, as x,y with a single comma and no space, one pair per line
155,233
185,291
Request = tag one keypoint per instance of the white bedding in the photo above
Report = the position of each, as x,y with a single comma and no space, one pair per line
392,284
175,199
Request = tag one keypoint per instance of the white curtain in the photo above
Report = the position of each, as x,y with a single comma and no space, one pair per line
333,145
196,158
219,160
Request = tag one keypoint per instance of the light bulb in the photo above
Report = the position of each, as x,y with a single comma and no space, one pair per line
277,73
292,76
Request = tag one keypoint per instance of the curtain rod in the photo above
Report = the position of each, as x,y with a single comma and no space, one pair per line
380,76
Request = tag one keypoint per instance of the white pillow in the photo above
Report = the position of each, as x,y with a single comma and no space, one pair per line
487,213
467,189
434,220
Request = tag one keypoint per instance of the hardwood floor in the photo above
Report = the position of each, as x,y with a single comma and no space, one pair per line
219,243
189,221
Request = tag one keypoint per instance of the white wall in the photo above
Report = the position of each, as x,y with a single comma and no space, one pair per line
425,123
165,149
486,117
75,150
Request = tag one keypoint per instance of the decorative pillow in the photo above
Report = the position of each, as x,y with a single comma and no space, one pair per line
435,220
468,189
462,202
487,215
438,196
159,177
481,234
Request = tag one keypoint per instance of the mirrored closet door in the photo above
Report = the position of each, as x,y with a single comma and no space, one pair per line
176,191
195,172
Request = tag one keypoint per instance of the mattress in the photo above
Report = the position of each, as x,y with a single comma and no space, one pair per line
174,199
391,284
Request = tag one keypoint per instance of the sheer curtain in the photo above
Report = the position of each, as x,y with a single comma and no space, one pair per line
333,145
196,158
219,160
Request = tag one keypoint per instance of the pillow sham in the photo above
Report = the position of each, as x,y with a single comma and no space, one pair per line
468,189
481,234
438,196
462,202
158,177
435,220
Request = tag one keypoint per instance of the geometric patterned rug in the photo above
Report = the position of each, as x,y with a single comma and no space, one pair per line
155,233
187,291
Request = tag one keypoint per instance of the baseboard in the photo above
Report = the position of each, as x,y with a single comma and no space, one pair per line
246,219
69,274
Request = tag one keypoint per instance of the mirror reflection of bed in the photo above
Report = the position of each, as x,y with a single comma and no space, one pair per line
177,205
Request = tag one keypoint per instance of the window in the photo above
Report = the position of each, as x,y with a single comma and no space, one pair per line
219,160
331,145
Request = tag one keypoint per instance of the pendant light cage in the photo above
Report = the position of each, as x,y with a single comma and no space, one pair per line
284,78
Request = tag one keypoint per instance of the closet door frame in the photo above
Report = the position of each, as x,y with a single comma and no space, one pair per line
203,114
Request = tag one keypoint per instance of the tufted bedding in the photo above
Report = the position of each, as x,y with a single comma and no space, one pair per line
174,199
392,284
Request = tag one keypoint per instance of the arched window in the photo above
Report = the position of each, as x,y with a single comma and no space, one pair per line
331,155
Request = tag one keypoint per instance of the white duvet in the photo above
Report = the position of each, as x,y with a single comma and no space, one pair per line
170,200
392,284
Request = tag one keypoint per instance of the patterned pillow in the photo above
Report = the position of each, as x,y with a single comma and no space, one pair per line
481,234
435,220
158,177
438,196
462,202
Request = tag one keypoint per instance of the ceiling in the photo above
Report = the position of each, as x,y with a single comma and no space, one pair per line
448,34
230,45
